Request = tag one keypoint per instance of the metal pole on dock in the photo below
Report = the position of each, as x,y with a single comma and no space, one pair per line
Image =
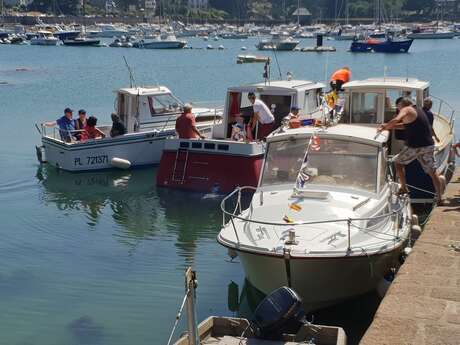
190,286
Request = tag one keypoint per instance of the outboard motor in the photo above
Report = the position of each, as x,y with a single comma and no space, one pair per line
319,40
279,313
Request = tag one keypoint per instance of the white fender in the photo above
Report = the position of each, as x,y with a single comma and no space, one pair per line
120,163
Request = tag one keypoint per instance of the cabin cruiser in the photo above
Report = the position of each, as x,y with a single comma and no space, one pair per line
278,41
149,115
432,33
44,38
109,31
372,102
225,160
325,219
163,41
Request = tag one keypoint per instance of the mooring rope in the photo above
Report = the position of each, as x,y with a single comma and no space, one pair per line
178,316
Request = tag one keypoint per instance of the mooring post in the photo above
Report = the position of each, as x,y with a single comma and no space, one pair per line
190,286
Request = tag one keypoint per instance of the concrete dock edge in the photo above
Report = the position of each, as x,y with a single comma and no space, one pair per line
422,305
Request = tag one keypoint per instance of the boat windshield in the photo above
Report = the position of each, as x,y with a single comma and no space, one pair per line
329,162
164,104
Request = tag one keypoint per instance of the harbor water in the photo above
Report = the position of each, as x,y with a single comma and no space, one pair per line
98,258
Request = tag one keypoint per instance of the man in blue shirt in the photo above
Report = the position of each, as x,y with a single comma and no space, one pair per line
66,125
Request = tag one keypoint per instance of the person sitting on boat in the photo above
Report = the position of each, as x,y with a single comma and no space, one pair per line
294,114
118,127
91,131
427,105
186,125
80,123
238,133
66,125
419,143
340,77
263,119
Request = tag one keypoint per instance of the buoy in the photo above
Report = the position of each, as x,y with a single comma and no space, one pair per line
221,47
416,228
244,48
209,46
414,219
407,251
120,163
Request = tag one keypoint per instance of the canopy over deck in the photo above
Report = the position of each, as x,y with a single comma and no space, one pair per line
405,84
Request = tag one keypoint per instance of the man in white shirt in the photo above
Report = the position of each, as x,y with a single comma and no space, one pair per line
263,117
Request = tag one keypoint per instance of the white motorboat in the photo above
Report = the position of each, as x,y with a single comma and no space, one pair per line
278,41
372,102
44,38
325,219
433,34
164,41
109,31
149,114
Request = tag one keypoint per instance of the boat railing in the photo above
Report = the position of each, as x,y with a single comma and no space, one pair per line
55,132
236,214
444,108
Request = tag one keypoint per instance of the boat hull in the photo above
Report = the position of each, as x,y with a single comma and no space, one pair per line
432,36
139,150
163,45
282,46
320,282
402,46
43,42
81,43
209,172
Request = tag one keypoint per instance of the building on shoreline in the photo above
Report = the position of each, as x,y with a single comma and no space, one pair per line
197,4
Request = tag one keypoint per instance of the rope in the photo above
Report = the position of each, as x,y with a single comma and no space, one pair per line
420,189
178,316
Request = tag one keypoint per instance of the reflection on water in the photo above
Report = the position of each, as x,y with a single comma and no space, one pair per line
133,201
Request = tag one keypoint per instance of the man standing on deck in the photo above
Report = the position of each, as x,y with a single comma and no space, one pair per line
427,105
340,77
186,126
263,119
66,125
419,143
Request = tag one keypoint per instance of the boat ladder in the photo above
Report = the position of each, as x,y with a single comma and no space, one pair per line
180,166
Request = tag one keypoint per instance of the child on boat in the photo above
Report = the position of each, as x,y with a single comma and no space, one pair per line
91,132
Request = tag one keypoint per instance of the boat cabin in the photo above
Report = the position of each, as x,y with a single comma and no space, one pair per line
334,153
279,96
372,102
148,108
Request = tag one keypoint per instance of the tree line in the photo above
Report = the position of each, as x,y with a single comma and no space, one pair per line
266,9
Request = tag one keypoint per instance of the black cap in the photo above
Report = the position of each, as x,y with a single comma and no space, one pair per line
68,110
294,108
82,111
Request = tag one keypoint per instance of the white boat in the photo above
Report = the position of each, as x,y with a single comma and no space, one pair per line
372,102
44,38
278,41
432,34
149,114
324,220
165,41
109,31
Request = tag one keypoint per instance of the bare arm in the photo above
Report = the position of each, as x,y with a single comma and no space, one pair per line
198,132
101,132
397,122
50,124
255,120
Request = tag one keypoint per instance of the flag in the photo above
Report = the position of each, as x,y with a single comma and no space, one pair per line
316,143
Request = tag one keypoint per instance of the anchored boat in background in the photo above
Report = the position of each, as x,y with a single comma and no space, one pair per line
149,114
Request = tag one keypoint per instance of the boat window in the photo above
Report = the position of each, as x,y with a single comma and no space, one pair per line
426,93
364,107
163,104
341,163
196,145
209,146
283,161
311,101
280,106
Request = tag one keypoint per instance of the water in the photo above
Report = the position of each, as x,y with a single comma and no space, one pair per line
98,258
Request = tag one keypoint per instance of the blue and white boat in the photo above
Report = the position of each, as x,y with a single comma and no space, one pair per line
381,46
149,114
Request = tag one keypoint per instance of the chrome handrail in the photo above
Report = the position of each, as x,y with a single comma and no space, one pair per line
451,109
349,220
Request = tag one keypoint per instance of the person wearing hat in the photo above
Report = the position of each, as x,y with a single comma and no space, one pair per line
80,123
186,125
66,125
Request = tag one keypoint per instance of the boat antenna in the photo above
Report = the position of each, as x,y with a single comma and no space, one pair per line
131,74
277,63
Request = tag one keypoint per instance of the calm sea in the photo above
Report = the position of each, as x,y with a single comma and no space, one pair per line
98,258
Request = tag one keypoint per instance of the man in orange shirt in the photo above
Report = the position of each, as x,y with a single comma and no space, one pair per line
340,77
186,126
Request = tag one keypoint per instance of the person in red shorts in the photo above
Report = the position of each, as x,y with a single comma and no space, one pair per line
186,125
